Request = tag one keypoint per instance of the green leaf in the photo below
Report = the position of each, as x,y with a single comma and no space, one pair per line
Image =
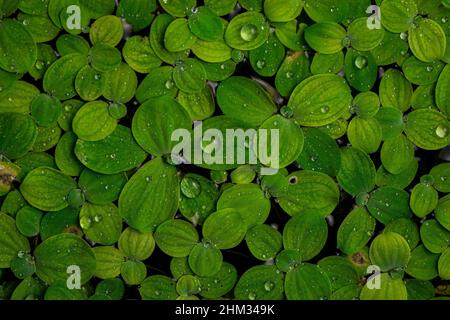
389,251
419,289
340,271
17,97
104,57
101,223
18,133
189,75
41,28
293,70
47,189
282,11
325,37
365,134
178,37
178,8
198,197
407,229
89,83
107,29
60,291
221,7
320,152
205,259
199,105
423,264
206,24
70,44
357,172
434,237
266,59
136,245
65,158
220,284
391,49
150,197
441,175
361,70
309,191
154,123
238,93
139,54
212,51
388,203
247,31
99,188
260,283
116,153
298,234
422,73
391,121
224,228
55,255
59,80
133,272
442,98
428,129
355,231
176,238
63,221
12,242
28,221
93,122
158,288
396,154
327,10
390,289
263,241
138,13
327,63
442,212
109,261
157,32
427,40
424,199
156,84
249,200
307,282
363,38
18,51
320,100
397,16
120,84
444,265
395,90
290,143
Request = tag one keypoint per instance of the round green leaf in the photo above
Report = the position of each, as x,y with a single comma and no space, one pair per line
116,153
307,233
150,197
388,203
260,283
307,282
47,189
320,100
225,228
56,255
355,231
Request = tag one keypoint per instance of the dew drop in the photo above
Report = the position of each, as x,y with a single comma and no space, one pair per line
249,32
442,131
361,62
